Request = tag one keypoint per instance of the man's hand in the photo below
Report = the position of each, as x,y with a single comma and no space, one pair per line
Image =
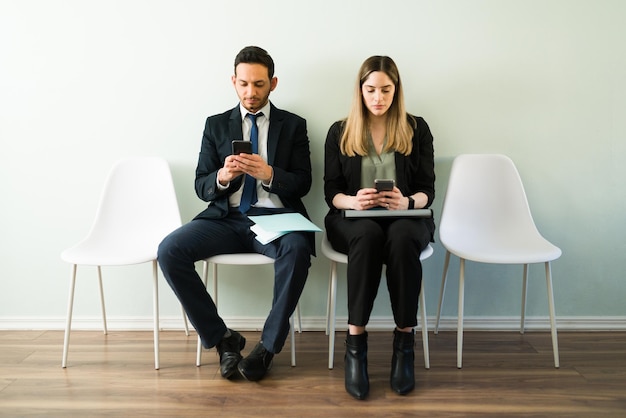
236,165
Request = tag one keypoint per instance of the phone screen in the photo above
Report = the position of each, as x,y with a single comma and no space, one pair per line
240,146
384,185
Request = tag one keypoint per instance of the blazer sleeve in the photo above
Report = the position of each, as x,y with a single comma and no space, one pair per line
214,149
334,179
420,173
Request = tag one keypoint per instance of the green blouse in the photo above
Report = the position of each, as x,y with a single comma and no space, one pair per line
376,166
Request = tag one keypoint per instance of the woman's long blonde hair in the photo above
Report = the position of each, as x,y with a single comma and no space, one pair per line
354,140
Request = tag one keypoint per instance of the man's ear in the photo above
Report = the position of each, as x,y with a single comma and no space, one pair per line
273,83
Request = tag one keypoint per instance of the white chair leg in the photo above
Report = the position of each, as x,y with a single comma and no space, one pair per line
293,341
459,336
330,285
104,315
214,283
205,279
155,304
424,327
68,320
185,323
199,353
332,305
555,342
299,317
522,325
442,290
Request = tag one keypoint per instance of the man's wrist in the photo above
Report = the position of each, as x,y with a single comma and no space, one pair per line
221,186
411,202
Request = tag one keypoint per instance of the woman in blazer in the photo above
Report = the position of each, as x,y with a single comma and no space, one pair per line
379,140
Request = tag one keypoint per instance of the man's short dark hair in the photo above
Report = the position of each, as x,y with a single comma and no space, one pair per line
255,55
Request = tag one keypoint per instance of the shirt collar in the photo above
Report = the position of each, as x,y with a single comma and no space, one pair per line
265,110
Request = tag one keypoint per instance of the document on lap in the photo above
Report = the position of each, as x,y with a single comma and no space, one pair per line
269,227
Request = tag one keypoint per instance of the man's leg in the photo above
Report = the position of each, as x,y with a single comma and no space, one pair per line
197,240
292,255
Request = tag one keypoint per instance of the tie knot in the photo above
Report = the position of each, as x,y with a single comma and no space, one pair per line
254,116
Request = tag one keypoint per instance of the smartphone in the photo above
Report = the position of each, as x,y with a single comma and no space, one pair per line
384,185
240,146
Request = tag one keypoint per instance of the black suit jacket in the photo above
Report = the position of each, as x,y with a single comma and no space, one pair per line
288,154
414,172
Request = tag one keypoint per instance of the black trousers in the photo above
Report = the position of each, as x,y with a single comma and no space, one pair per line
372,242
202,238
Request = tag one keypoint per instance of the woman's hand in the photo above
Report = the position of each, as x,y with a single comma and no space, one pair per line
393,200
366,198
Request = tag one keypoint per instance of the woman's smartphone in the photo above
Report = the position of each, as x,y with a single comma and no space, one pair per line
240,146
384,185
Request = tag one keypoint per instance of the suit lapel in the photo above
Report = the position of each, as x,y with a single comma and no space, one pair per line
234,126
276,125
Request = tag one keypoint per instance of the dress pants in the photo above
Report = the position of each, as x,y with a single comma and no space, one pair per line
203,238
372,242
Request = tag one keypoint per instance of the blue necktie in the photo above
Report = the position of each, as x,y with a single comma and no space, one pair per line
248,197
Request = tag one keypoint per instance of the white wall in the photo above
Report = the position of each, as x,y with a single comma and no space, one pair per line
83,83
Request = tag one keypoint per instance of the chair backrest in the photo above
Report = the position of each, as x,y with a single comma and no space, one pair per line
485,208
138,206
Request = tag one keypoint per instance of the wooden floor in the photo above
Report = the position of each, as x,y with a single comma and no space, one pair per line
504,374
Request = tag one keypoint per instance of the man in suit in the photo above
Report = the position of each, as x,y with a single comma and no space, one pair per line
271,180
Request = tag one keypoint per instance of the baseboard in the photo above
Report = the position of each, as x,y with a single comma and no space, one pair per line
613,323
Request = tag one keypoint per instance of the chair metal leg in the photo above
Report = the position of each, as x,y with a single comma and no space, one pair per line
459,332
293,341
199,353
442,290
330,285
205,279
299,316
424,327
522,325
214,283
555,342
68,320
155,304
185,322
101,288
332,305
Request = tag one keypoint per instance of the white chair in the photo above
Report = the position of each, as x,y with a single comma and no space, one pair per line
241,259
337,257
486,219
137,209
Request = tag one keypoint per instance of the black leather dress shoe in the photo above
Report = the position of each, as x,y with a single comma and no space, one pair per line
257,364
229,350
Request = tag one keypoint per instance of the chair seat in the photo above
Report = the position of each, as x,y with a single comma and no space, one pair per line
335,255
247,259
94,253
504,251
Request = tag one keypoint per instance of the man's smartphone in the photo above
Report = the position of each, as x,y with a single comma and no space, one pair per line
240,146
384,185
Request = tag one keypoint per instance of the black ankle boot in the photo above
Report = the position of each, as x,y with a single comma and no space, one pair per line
402,362
357,380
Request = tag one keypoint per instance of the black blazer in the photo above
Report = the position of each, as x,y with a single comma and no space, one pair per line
414,173
288,154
